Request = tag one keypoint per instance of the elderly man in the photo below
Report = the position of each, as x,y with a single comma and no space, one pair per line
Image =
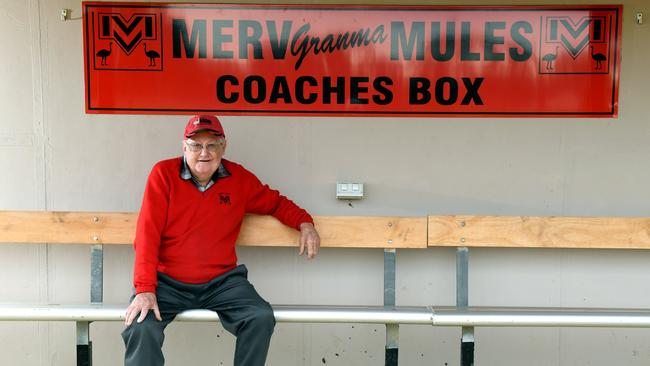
185,256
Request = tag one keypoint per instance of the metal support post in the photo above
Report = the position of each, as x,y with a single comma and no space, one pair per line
462,277
97,273
392,330
462,301
84,345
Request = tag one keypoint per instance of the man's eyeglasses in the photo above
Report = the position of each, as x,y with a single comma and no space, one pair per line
211,147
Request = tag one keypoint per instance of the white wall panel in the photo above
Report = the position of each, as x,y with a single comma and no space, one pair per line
15,70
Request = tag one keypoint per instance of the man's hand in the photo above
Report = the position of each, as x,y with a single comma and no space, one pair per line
141,304
309,239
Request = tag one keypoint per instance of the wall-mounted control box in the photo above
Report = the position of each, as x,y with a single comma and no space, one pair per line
349,191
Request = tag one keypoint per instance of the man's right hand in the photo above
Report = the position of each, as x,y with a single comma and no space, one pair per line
141,304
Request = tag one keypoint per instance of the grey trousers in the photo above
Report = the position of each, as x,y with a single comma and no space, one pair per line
241,310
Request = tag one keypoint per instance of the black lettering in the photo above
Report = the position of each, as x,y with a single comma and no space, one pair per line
253,39
280,90
128,29
279,47
326,46
343,42
575,32
597,29
521,40
106,25
221,89
260,89
465,43
300,90
304,47
314,44
472,91
553,30
338,89
148,27
450,44
356,89
302,44
398,38
379,85
491,40
419,91
218,39
378,35
360,37
199,34
440,90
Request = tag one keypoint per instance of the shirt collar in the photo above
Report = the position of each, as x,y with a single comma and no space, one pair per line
186,174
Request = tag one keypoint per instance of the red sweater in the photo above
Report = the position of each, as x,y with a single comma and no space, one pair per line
190,235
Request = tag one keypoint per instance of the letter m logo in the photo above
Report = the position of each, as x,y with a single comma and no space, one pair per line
127,33
575,34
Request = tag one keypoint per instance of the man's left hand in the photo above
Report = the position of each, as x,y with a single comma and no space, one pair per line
309,240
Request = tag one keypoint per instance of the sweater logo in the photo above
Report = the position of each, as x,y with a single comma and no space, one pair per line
224,198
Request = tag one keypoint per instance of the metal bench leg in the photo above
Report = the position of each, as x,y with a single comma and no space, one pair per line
462,301
392,330
97,274
84,345
467,347
392,344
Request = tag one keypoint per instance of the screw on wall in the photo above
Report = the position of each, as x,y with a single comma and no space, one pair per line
65,14
639,18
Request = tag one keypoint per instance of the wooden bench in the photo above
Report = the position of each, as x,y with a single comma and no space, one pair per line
387,233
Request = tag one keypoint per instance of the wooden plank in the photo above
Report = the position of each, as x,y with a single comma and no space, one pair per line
67,227
119,228
540,232
341,232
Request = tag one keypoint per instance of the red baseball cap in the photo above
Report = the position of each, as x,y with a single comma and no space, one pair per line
203,123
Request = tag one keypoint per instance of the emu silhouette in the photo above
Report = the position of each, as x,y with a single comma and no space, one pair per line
103,53
550,57
153,55
598,57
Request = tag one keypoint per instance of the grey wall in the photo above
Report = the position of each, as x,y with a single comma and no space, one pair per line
54,157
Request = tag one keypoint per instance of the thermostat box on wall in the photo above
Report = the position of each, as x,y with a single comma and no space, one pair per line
349,191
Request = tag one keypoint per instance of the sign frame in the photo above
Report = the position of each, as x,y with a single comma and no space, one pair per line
143,25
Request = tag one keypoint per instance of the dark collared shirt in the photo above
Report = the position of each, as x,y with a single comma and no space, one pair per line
186,174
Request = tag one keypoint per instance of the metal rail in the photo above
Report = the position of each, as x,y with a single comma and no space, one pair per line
283,313
541,317
433,316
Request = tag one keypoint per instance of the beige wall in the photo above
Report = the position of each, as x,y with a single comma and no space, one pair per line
54,157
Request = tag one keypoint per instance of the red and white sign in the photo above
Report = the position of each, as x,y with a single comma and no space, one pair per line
517,61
